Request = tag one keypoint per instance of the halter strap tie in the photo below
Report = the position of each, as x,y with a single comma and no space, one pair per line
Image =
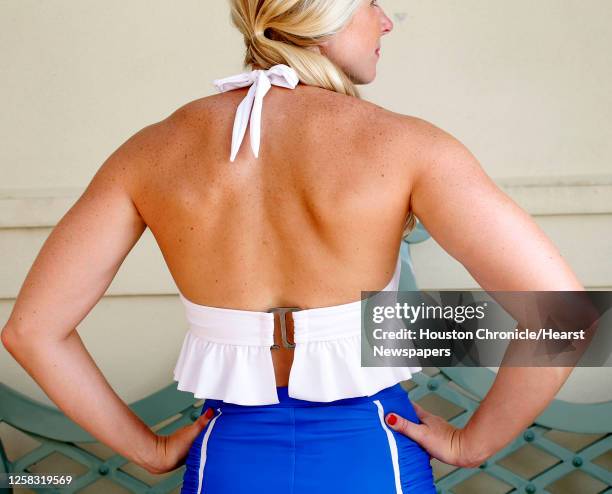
260,81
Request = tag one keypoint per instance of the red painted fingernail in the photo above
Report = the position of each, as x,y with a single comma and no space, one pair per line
209,413
391,419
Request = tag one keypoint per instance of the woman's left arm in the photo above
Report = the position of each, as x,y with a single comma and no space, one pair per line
504,250
72,271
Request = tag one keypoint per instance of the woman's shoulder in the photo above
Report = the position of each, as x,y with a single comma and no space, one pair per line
409,135
426,139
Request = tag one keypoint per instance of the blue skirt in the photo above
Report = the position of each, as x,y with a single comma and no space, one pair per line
305,447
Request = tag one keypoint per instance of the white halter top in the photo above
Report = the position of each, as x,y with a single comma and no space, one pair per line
226,352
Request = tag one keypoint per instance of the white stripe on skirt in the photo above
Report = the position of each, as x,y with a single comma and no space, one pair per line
203,451
392,447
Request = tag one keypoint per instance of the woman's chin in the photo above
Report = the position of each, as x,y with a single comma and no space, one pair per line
371,77
365,77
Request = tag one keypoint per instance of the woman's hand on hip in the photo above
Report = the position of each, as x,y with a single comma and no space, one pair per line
172,450
440,439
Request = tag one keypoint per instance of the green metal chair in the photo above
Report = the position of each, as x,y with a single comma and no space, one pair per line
169,409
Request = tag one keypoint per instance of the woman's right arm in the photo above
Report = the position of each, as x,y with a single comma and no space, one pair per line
72,271
504,250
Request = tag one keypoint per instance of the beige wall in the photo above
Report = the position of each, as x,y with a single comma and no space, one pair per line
525,85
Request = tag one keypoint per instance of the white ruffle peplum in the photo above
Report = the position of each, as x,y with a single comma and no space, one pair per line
225,371
226,355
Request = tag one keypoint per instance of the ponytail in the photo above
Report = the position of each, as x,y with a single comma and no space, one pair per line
288,32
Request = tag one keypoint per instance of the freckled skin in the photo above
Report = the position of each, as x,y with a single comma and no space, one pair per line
330,191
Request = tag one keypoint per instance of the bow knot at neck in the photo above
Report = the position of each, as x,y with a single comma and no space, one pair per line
250,107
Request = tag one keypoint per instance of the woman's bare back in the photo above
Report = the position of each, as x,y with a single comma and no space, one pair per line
314,220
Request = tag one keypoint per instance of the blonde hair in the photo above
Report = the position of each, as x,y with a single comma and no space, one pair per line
287,32
410,224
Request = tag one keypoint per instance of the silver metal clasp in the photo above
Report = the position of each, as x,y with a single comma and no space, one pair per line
282,312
